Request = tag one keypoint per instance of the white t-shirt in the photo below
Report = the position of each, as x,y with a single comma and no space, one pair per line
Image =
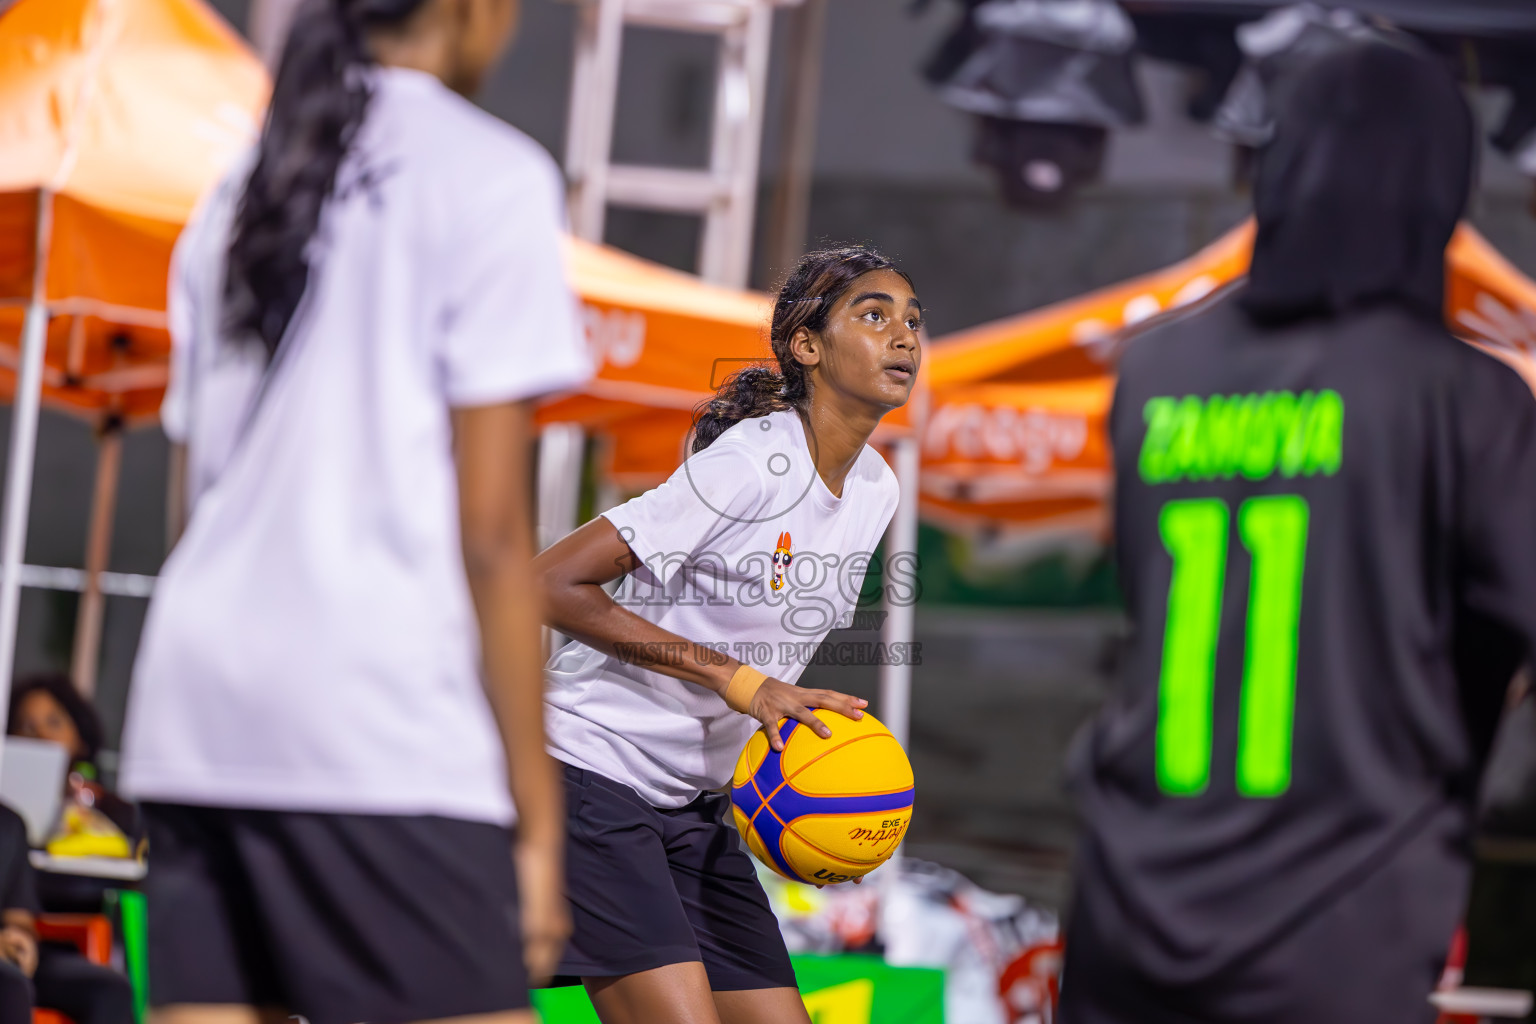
312,643
712,540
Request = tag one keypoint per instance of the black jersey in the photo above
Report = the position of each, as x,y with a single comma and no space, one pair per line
1325,520
1327,544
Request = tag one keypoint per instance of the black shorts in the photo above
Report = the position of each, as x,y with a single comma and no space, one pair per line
651,887
336,917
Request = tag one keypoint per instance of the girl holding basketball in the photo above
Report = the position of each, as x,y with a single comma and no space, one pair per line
757,544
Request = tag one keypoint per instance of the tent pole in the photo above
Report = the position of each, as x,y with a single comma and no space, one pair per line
98,548
895,707
561,447
900,620
560,458
18,468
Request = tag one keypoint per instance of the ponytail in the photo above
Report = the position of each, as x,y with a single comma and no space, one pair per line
318,103
805,300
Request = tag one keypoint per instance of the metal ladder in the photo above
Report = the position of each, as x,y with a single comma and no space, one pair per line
725,192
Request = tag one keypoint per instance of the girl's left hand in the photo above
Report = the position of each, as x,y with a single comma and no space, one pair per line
19,947
777,700
546,915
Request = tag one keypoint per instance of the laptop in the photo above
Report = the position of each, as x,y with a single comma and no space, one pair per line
32,783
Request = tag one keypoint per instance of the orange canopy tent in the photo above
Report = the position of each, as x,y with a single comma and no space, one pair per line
662,341
1016,432
115,115
1021,454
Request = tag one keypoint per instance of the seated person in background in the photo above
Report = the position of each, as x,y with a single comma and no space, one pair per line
47,706
46,974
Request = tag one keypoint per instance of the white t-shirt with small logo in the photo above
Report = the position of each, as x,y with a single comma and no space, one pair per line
312,644
745,549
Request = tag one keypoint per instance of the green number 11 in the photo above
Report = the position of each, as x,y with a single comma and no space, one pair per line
1274,530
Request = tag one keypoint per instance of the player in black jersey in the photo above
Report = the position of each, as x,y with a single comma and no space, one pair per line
1326,527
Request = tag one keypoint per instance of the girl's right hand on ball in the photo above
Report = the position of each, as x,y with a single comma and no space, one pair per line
776,700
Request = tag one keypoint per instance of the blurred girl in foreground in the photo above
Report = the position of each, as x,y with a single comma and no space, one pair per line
339,679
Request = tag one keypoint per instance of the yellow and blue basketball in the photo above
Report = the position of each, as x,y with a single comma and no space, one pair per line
824,811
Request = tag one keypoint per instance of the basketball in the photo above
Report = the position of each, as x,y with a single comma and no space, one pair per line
825,810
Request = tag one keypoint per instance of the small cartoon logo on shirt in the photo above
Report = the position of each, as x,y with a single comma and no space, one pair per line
781,560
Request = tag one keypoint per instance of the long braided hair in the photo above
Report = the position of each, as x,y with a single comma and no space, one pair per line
805,300
319,100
